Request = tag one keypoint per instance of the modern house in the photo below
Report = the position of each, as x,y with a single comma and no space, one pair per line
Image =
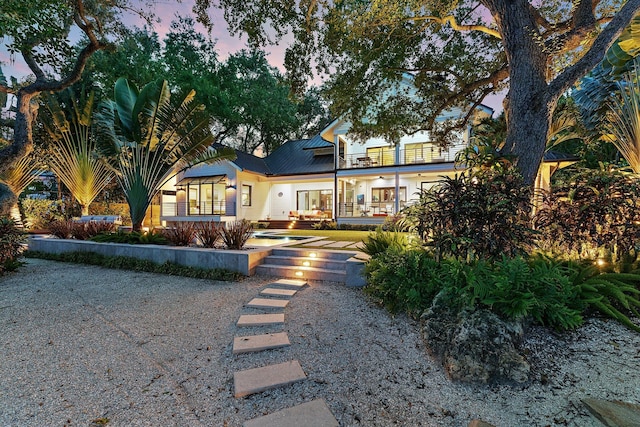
329,176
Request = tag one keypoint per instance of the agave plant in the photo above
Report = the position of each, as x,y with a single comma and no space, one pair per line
73,156
153,139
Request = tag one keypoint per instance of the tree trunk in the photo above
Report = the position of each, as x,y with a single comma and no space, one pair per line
527,111
21,146
84,210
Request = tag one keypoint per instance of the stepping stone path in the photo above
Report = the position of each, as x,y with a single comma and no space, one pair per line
267,303
275,292
260,342
256,380
260,319
311,414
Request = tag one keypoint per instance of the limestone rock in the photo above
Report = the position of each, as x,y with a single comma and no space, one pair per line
474,346
614,413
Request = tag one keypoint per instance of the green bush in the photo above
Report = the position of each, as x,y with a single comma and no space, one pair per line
381,240
11,245
127,263
403,280
325,225
38,214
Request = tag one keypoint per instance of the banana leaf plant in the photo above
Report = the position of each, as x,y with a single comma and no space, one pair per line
154,137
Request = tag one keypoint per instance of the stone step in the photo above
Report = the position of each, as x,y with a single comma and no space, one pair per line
314,253
295,284
328,264
254,343
280,293
257,380
270,303
308,273
311,414
260,319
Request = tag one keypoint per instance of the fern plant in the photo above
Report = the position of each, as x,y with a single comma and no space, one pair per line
615,295
381,240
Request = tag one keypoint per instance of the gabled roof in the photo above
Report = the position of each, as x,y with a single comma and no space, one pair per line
248,162
298,157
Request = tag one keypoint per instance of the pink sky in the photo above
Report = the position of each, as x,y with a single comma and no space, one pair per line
225,43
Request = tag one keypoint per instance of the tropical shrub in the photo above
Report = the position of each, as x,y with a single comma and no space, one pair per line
475,215
403,280
94,228
595,214
38,213
236,234
209,233
325,225
79,230
181,234
11,245
615,295
61,228
381,240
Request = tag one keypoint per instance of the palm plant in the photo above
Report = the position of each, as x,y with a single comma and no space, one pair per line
154,139
73,156
623,120
18,177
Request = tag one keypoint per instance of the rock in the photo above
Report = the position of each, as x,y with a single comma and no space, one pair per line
614,413
479,423
474,345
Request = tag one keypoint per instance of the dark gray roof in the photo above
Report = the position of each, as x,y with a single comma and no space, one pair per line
298,157
249,162
558,156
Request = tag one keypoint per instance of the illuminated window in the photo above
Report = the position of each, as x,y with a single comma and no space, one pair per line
246,195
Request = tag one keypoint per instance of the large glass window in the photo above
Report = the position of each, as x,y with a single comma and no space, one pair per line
206,199
246,195
315,200
387,194
421,152
379,156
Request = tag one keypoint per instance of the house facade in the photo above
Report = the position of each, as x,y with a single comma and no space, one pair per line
329,176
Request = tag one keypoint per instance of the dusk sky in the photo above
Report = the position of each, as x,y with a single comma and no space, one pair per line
225,43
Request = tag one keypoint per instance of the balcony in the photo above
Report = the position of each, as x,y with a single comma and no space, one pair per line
388,158
193,208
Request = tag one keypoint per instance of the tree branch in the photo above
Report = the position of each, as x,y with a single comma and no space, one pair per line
451,20
598,49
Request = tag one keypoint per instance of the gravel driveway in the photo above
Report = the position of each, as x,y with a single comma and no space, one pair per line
82,345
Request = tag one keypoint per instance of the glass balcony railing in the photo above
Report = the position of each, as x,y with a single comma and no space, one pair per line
193,209
388,158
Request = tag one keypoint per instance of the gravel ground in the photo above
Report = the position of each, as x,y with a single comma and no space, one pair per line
81,344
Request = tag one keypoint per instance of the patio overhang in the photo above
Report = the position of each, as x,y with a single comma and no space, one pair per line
211,179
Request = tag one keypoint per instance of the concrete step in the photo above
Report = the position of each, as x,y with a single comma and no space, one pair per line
311,414
278,293
328,264
294,284
307,273
255,343
268,303
257,380
260,319
313,253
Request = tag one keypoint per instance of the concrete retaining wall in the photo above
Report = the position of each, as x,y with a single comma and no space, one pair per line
243,262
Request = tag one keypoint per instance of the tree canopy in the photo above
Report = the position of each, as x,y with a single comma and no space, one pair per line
458,50
37,31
